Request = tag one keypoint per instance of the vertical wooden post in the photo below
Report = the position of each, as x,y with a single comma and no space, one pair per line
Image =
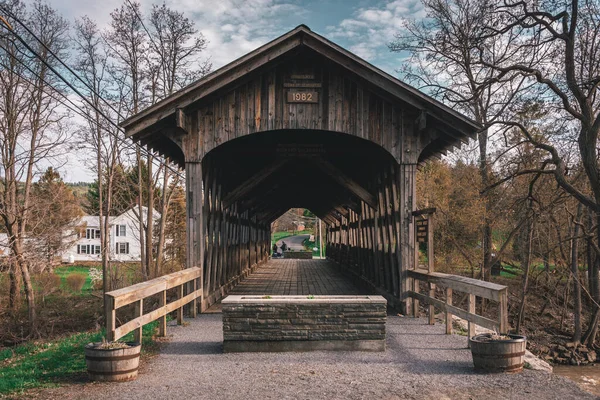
430,255
503,311
448,315
415,301
194,309
406,177
180,309
110,315
471,327
415,263
416,253
162,321
195,227
431,306
138,312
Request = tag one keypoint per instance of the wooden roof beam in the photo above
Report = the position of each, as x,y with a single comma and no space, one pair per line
245,188
345,181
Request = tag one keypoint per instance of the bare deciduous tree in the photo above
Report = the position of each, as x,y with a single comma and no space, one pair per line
30,124
559,51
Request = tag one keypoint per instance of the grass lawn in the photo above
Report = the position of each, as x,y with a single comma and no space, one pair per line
277,236
67,270
311,245
32,366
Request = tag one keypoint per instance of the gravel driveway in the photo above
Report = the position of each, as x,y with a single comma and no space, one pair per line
420,363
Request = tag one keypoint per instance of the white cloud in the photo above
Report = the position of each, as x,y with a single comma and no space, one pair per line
235,27
370,29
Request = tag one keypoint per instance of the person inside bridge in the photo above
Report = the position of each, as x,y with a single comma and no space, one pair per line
283,246
274,249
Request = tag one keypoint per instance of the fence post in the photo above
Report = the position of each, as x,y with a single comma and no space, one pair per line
138,312
180,309
431,306
416,301
504,311
471,327
448,315
193,310
110,315
162,321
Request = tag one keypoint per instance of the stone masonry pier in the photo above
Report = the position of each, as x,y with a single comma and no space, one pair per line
303,323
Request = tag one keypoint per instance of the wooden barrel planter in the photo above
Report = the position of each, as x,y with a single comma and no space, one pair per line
112,365
493,355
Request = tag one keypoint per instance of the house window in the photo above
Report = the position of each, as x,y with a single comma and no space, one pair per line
92,233
88,249
122,248
121,230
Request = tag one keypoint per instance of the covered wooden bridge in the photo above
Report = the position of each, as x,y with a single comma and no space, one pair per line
300,122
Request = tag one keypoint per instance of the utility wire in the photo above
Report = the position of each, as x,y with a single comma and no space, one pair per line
75,107
156,49
49,50
82,113
72,87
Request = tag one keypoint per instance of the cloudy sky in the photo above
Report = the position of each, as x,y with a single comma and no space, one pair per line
235,27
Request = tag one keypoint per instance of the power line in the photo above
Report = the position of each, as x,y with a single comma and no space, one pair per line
162,59
77,109
49,50
70,85
71,106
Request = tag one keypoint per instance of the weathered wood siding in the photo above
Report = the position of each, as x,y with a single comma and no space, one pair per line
346,103
373,243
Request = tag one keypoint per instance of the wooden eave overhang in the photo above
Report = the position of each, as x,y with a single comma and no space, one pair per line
458,126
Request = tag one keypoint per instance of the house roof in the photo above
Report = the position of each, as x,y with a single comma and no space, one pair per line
92,220
300,36
89,220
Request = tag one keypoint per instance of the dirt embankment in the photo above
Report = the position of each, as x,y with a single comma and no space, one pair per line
548,320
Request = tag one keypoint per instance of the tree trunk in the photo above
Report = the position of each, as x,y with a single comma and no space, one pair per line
30,296
149,217
14,296
526,267
144,268
163,223
576,282
23,270
486,268
103,247
589,337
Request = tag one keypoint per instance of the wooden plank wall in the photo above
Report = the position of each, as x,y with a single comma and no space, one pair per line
234,244
373,244
368,244
346,104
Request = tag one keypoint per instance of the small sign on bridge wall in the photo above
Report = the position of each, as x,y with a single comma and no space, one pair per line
422,225
423,220
302,97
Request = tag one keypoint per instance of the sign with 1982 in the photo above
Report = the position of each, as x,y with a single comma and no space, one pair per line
302,97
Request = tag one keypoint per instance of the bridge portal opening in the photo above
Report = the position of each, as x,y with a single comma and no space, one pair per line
268,173
259,177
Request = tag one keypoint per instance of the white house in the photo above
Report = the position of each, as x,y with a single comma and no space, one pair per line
124,238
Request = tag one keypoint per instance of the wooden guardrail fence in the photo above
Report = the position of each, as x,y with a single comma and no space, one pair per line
473,287
137,293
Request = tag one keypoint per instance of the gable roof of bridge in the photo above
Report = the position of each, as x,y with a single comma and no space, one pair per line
300,36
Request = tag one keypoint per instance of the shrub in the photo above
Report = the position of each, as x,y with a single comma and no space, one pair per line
47,283
96,278
76,282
